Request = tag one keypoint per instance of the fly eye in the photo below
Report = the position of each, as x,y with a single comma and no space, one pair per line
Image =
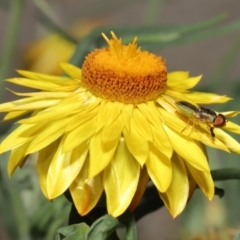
219,121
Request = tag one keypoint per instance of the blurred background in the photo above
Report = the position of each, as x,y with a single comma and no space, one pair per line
29,40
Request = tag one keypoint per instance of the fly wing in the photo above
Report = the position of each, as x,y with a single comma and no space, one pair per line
187,108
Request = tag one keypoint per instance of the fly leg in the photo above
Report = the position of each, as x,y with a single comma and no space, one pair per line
211,131
192,127
189,125
186,125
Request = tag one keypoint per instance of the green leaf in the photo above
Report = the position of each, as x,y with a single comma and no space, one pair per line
103,228
72,232
189,37
128,220
150,37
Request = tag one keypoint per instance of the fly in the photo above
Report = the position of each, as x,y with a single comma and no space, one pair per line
204,115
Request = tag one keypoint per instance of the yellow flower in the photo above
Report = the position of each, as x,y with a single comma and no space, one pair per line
45,54
113,125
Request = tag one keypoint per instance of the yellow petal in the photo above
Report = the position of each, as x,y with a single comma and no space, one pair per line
103,113
141,124
71,70
19,136
38,77
43,94
232,127
177,76
112,131
138,146
116,110
176,196
64,168
15,114
150,112
120,180
81,118
72,88
63,107
142,184
230,142
167,103
206,98
176,95
41,85
25,104
80,134
113,125
160,138
185,83
161,141
100,154
230,113
16,157
126,115
204,181
159,169
86,191
52,83
188,149
48,134
192,185
45,157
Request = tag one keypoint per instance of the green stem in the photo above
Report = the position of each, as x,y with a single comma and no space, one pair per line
10,40
225,174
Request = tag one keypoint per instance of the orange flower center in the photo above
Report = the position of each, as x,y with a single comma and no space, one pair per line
124,73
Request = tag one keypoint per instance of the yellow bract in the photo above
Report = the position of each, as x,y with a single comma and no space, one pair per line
112,128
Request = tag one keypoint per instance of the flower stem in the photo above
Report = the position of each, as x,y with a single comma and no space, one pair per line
10,40
225,174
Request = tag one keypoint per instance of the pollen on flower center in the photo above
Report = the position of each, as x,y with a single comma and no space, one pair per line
124,73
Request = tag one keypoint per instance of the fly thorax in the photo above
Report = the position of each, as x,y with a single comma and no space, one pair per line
207,115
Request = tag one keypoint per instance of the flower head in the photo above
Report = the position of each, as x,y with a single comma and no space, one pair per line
112,126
